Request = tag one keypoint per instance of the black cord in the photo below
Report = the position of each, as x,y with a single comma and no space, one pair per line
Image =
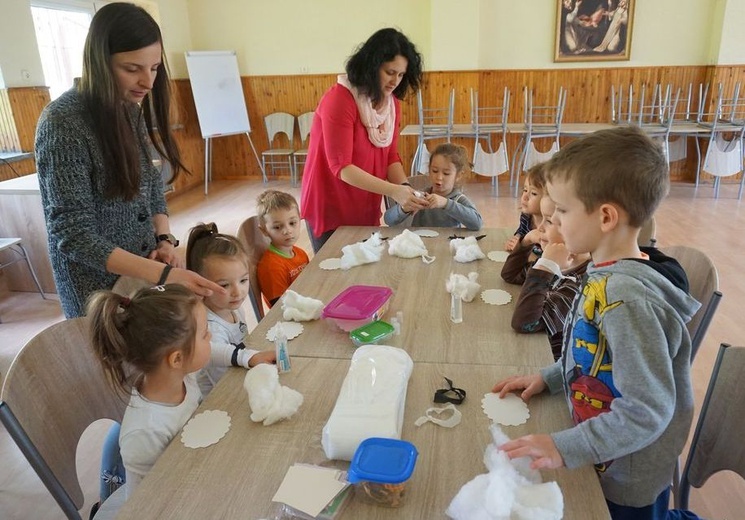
6,161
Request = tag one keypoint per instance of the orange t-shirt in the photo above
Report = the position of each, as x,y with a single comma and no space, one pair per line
276,272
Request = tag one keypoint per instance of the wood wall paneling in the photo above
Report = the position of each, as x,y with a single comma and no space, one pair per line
588,102
27,104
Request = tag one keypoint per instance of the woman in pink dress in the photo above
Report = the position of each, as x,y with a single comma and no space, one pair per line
353,151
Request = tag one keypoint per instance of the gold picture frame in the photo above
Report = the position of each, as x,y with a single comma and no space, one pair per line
593,30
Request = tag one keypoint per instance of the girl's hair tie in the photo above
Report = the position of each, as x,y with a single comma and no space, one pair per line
125,301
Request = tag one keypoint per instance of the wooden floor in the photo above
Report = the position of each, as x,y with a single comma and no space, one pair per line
688,216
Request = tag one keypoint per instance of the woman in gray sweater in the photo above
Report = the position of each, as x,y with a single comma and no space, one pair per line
103,199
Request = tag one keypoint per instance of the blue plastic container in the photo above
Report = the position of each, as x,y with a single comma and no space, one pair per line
380,468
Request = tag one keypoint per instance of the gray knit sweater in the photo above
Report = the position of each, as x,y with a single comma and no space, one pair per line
84,227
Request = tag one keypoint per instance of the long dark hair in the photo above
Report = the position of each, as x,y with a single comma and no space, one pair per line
123,27
383,46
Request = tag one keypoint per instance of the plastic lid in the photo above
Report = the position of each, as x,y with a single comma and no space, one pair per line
357,302
384,461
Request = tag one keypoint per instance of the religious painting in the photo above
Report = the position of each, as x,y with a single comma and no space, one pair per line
593,30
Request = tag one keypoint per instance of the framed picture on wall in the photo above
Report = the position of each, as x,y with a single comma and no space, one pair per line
593,30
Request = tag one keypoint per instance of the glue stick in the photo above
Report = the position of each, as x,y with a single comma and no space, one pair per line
456,308
280,348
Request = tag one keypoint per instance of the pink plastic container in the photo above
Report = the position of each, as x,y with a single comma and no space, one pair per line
358,305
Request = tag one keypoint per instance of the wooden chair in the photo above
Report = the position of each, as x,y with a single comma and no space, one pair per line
55,388
15,246
255,243
703,281
717,441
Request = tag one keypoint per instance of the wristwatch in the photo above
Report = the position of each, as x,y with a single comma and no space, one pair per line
168,238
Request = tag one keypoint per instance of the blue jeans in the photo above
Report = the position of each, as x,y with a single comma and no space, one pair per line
112,467
657,511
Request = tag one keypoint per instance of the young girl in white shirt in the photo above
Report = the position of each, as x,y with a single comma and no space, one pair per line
151,347
221,259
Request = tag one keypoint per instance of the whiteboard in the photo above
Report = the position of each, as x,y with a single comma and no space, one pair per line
218,95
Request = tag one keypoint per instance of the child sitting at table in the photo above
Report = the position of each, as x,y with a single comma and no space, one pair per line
530,210
524,246
151,347
282,263
551,284
626,362
221,259
447,206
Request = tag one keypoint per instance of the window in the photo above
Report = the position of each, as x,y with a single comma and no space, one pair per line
61,29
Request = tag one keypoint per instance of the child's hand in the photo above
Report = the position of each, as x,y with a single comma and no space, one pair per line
540,448
533,237
436,201
531,385
511,243
558,253
266,356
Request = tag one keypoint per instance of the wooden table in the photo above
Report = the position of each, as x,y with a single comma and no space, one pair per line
484,336
572,129
237,477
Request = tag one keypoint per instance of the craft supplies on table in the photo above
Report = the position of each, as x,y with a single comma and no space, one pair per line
358,305
380,468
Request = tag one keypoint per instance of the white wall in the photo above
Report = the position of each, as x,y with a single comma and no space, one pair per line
299,36
731,50
454,35
521,35
302,36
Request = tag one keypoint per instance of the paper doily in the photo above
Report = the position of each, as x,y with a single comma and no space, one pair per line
205,429
292,330
426,233
498,256
509,410
496,297
330,264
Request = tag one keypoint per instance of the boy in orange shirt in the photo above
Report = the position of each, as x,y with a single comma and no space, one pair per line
282,263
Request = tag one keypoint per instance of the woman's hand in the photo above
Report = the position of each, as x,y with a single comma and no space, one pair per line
191,280
166,253
407,198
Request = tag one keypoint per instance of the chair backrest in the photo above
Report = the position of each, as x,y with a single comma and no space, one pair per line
703,281
255,243
717,441
486,119
55,388
648,233
543,119
280,123
436,122
304,122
